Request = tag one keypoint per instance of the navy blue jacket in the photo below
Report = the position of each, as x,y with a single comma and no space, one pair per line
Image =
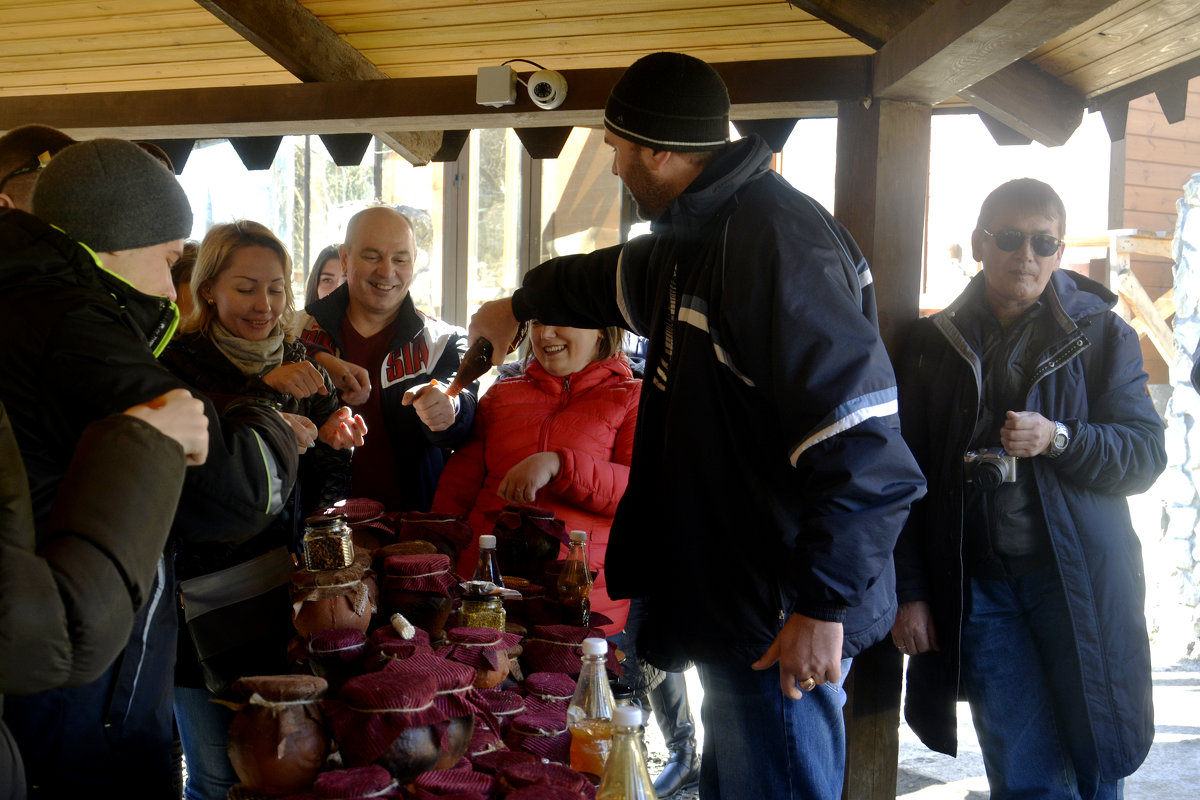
768,474
1090,378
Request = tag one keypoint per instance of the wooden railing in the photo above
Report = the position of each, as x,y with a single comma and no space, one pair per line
1150,318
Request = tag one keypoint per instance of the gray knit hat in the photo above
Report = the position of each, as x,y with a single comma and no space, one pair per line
670,101
112,195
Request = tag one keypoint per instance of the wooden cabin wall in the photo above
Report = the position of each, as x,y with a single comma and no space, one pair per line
1158,159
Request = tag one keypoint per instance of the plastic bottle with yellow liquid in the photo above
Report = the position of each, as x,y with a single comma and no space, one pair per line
625,773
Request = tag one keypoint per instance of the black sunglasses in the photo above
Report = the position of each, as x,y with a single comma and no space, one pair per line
1043,244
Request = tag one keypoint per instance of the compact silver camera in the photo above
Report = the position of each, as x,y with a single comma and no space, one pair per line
989,467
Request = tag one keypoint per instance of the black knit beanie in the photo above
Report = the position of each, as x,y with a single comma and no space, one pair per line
112,195
670,101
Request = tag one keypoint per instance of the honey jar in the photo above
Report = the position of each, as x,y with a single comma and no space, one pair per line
327,543
482,611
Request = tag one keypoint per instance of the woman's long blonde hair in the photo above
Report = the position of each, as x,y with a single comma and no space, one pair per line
216,251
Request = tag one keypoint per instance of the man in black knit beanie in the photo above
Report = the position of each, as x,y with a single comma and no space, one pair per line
769,481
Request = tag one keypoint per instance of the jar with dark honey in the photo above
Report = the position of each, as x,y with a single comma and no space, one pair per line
327,543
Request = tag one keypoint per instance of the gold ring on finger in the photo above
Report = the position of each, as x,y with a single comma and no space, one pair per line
808,685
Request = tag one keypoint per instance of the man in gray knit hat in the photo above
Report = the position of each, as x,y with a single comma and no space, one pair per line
86,308
123,204
769,480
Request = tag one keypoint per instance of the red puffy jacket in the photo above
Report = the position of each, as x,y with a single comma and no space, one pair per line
587,418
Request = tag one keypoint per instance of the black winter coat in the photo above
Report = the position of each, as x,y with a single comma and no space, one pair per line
1090,377
324,473
324,478
80,344
768,474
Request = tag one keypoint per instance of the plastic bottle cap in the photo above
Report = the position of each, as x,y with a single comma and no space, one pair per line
487,541
627,716
578,536
595,646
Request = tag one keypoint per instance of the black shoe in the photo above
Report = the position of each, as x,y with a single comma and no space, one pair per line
681,772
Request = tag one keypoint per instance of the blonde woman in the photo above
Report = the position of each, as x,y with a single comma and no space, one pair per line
235,348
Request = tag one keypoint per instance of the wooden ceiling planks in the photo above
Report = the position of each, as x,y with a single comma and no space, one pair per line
74,46
1126,42
445,41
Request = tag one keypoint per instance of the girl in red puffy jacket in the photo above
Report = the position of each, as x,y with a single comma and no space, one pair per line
560,436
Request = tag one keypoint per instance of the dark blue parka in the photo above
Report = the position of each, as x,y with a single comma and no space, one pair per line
768,475
1090,378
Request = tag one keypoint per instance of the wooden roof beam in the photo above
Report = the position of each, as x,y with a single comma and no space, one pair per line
956,44
1030,101
781,88
310,50
871,22
1021,96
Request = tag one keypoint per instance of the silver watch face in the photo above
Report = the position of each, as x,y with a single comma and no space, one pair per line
1061,437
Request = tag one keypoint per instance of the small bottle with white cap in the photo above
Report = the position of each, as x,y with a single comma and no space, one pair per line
575,583
487,569
590,712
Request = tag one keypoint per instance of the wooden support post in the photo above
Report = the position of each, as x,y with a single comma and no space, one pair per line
881,185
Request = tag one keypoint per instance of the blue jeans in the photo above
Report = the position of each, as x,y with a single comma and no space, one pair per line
760,744
1020,673
204,733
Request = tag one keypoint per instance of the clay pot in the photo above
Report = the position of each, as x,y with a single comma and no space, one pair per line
411,753
427,610
421,588
327,614
525,552
457,738
331,600
417,749
490,678
277,745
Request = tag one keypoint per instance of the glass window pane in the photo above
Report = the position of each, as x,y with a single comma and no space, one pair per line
581,198
494,225
417,193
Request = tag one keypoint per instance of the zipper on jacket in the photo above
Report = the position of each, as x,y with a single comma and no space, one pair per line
565,398
1077,345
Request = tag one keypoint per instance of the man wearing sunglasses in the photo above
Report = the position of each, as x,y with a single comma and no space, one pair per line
24,151
1019,575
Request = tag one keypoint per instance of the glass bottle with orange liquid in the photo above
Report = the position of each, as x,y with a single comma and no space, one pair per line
575,583
589,714
478,360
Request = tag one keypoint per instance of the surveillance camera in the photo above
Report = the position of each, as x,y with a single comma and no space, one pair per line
547,89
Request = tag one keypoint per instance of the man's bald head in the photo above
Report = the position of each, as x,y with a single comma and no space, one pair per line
378,258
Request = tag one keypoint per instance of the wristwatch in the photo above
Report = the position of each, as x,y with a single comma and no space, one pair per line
1059,441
